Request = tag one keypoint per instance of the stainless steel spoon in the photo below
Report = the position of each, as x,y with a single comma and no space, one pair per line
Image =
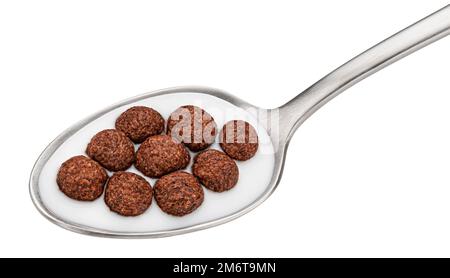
280,124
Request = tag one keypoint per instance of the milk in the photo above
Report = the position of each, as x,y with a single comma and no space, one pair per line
255,174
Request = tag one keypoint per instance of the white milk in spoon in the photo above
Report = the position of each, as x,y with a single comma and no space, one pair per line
255,174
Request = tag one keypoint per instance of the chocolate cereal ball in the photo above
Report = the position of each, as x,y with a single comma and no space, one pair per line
178,193
81,178
239,140
192,126
112,149
140,122
215,170
160,155
128,194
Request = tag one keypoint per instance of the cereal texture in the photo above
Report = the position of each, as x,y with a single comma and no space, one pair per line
140,122
81,178
178,193
160,155
192,126
112,149
215,170
239,140
128,194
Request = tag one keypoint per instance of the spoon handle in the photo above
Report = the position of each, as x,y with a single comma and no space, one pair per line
403,43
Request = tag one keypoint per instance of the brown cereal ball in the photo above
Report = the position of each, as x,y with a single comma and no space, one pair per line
112,149
81,178
192,126
215,170
128,194
160,155
178,193
239,140
140,122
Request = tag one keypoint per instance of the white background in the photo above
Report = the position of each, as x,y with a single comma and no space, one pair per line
368,175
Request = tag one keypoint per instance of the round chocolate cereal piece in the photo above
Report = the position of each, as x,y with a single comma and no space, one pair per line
81,178
160,155
140,122
192,126
112,149
239,140
215,170
128,194
178,193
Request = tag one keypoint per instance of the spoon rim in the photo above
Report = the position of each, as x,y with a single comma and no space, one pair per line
279,157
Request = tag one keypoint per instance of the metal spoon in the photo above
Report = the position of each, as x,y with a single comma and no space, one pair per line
277,125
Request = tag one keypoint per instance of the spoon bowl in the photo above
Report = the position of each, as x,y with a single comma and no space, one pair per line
257,180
